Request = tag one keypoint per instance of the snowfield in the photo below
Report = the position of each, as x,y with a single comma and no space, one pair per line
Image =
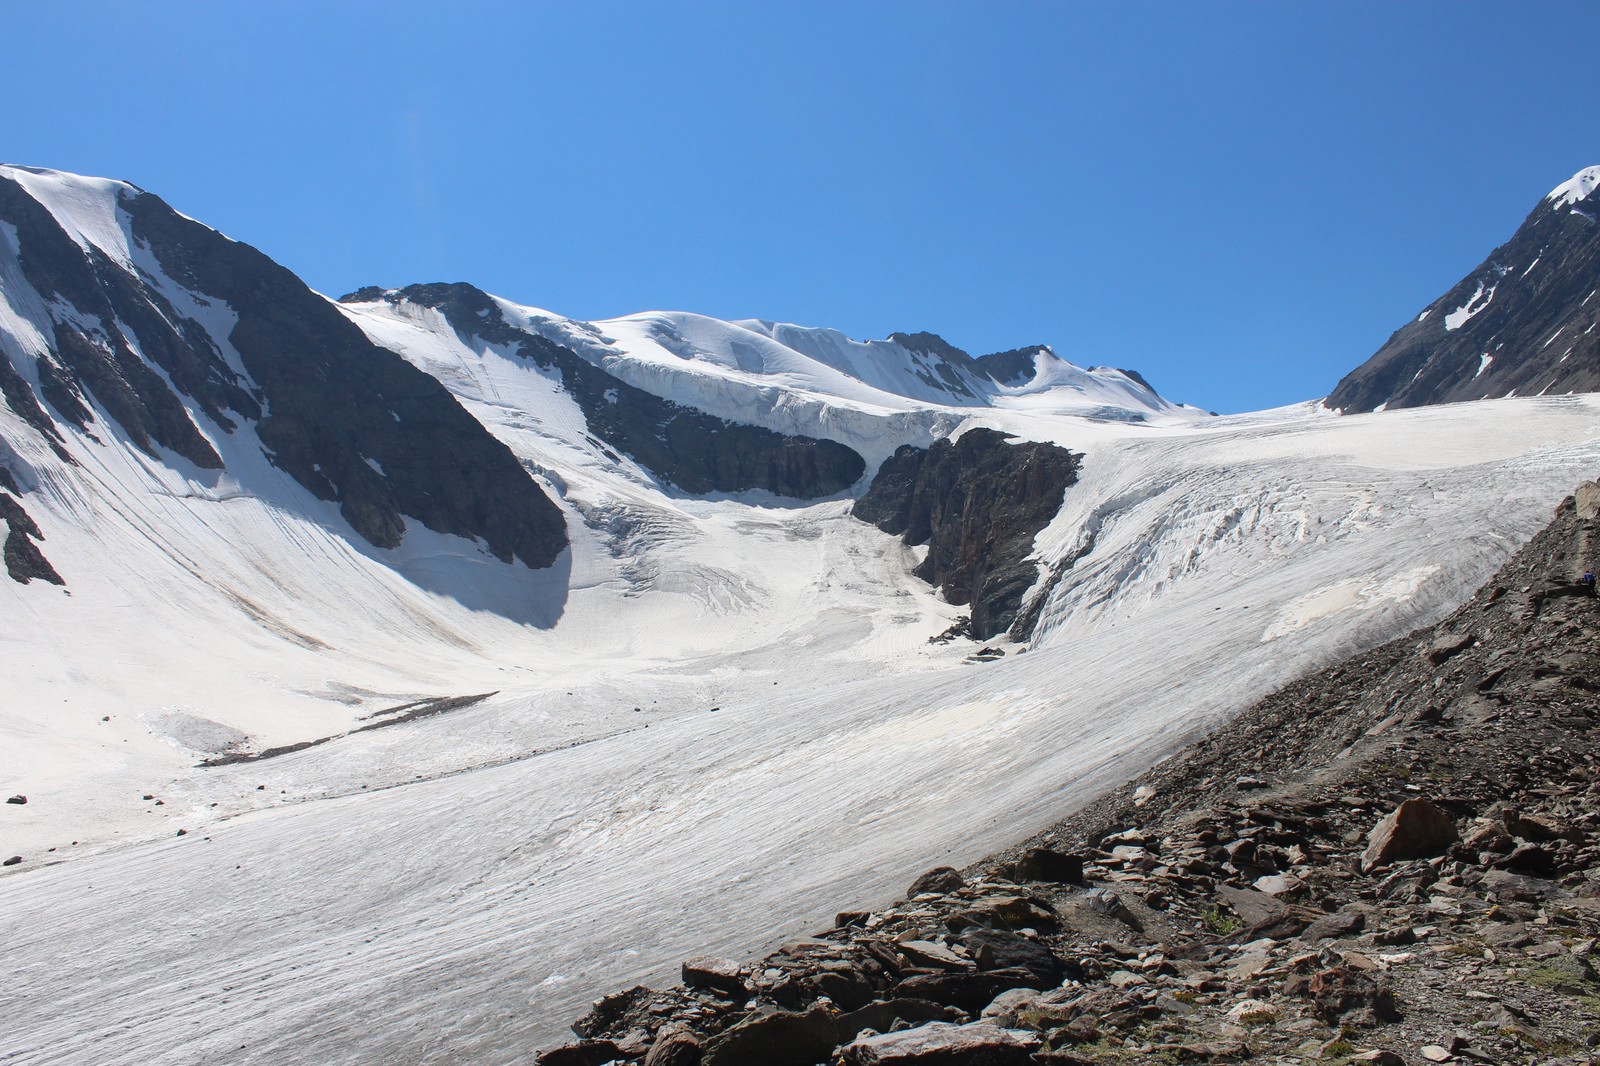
713,723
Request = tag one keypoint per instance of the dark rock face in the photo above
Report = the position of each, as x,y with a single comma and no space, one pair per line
1529,330
350,421
24,560
946,367
1014,367
338,404
693,450
977,503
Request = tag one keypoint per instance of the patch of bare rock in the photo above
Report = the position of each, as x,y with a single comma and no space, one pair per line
1395,860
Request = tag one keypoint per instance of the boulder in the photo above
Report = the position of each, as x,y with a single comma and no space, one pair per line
1050,866
722,976
888,1014
995,949
1414,830
17,799
939,881
776,1038
582,1053
1345,994
1253,908
674,1045
1446,646
970,992
1347,922
943,1044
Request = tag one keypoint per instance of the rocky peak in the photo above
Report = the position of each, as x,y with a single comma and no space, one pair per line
1522,323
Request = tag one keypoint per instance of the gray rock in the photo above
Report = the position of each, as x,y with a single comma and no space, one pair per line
995,949
942,1044
1347,922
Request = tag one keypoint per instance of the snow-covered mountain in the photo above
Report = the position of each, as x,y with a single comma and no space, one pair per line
596,636
1521,324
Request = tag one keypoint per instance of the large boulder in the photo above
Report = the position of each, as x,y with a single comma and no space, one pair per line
1414,830
942,1044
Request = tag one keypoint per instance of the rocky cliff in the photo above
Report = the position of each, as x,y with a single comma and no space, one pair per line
977,502
1522,323
1395,860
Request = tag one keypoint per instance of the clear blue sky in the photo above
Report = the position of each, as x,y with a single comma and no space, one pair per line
1240,200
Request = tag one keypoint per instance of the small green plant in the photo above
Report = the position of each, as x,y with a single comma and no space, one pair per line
1220,923
1338,1048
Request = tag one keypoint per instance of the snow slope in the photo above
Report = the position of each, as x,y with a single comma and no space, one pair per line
554,850
714,722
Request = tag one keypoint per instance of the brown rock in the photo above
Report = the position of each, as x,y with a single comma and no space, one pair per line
722,976
1347,994
582,1053
775,1038
674,1045
940,881
1414,830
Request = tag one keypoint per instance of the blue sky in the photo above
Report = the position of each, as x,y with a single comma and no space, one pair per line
1239,200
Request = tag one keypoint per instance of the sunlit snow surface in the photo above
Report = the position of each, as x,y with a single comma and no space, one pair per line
559,849
715,722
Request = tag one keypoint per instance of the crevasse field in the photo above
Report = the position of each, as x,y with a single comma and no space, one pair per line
712,724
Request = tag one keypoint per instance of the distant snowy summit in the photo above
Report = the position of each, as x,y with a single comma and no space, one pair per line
1522,324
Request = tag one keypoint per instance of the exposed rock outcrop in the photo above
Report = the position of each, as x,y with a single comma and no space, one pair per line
697,452
24,561
977,502
1521,324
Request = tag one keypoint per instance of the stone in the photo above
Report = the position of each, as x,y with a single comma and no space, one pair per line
1007,1008
674,1045
943,1044
615,1012
1014,912
1378,1057
1277,884
722,976
14,860
582,1053
1253,908
970,992
926,953
995,949
1252,1010
17,799
1446,646
1414,830
1345,994
939,881
1052,867
775,1038
1345,923
1436,1053
889,1014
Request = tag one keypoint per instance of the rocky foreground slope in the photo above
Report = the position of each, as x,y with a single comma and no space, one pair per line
1395,860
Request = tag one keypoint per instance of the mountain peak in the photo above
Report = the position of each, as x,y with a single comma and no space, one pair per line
1578,187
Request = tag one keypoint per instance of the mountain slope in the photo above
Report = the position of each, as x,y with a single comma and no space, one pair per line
1521,324
110,295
